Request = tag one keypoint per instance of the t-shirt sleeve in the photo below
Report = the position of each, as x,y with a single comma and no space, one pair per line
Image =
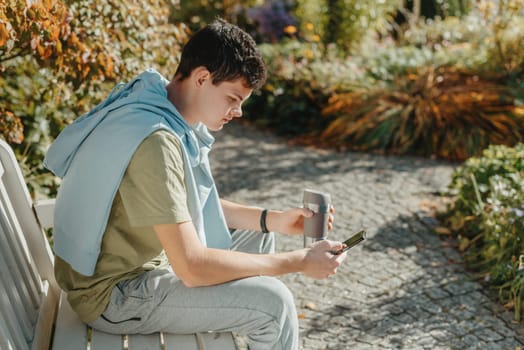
153,190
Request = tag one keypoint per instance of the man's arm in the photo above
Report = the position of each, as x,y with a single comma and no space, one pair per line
197,265
244,217
248,218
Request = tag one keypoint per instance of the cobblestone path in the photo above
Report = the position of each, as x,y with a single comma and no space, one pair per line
404,288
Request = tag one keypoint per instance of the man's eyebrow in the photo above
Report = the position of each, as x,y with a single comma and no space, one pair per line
238,96
246,97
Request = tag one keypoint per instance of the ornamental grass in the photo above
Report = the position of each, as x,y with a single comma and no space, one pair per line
441,112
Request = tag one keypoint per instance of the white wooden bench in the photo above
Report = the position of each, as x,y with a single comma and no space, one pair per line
34,313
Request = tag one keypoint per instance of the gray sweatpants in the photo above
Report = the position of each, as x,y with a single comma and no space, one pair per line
262,308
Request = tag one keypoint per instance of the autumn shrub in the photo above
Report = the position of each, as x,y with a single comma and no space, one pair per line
60,58
429,112
449,88
487,216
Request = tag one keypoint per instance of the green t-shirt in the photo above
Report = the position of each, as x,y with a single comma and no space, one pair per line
152,192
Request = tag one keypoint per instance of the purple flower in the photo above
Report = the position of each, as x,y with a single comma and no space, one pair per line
271,17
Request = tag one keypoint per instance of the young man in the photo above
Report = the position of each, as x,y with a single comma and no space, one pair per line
142,238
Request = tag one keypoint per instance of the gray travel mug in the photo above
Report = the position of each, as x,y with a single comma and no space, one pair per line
316,227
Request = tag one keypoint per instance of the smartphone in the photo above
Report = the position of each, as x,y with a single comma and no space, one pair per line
352,241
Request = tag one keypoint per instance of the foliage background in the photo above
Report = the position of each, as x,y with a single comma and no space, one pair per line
445,87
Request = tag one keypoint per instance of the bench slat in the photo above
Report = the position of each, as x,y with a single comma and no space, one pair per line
180,341
19,316
5,341
70,332
46,317
17,293
106,341
218,341
145,342
10,320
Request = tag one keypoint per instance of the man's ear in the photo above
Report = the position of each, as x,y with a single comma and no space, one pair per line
201,74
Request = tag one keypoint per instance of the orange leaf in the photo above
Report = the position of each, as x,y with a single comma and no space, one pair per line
109,66
48,4
55,32
4,34
48,52
46,24
59,47
85,71
74,39
39,49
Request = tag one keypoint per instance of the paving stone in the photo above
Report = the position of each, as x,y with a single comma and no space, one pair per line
488,335
505,332
403,318
436,293
425,341
440,334
442,321
388,325
461,287
398,310
470,341
367,339
418,313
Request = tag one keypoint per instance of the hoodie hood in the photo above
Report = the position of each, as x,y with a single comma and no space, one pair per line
146,93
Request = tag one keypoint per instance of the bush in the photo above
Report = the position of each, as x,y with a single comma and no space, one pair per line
197,13
60,58
344,22
487,216
429,112
301,78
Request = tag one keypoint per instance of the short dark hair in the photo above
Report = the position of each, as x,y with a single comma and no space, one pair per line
226,51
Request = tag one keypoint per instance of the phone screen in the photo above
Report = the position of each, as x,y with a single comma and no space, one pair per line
353,241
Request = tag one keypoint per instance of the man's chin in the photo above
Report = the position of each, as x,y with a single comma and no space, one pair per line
215,127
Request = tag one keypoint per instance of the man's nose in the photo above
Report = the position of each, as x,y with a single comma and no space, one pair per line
236,112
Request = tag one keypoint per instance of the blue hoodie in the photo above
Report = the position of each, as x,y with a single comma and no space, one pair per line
92,154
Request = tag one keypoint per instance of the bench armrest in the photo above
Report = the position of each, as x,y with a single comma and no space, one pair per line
44,210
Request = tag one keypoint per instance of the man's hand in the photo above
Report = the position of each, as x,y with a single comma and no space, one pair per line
292,221
320,262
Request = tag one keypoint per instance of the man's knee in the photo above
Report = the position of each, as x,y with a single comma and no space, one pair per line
275,302
271,292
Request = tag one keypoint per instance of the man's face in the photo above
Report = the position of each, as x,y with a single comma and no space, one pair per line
219,104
